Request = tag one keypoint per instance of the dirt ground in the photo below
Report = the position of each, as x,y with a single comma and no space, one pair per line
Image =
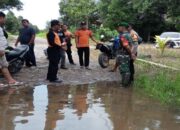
74,75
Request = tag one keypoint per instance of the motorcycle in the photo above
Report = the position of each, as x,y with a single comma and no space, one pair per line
16,57
108,52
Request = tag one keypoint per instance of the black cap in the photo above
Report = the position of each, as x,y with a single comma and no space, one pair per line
54,23
83,23
2,14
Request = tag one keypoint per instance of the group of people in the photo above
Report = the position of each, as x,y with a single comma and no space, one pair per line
59,43
26,37
128,45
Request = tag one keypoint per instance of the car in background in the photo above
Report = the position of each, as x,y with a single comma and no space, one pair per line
173,39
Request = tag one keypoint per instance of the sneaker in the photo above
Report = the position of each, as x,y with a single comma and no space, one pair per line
56,81
88,68
64,68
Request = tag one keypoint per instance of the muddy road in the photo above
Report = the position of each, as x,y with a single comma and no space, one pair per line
74,75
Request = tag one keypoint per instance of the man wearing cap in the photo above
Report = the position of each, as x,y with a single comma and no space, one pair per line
82,37
27,37
126,43
53,51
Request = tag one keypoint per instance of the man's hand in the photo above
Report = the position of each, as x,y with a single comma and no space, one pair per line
2,53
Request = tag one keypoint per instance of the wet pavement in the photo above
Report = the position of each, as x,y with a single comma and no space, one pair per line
99,106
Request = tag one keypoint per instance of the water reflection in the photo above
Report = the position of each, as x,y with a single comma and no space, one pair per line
98,106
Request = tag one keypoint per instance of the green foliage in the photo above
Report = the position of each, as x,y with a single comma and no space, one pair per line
161,43
74,11
41,34
108,33
8,4
12,23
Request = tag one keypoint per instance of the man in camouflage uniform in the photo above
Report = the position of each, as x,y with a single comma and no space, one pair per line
124,54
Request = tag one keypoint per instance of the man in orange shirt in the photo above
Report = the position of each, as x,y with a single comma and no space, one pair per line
82,37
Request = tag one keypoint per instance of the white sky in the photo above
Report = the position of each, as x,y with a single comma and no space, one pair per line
38,12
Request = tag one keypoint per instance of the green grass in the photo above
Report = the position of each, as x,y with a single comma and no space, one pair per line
161,84
41,34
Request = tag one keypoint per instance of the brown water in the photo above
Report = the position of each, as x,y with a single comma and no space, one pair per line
101,106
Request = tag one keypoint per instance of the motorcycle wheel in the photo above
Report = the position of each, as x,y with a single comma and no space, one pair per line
103,60
15,66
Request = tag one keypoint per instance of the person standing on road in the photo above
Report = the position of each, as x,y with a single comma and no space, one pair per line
53,51
27,37
3,45
63,49
69,36
82,37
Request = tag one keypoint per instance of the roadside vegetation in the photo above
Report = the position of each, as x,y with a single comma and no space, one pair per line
158,83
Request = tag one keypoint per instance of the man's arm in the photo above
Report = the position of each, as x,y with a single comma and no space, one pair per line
33,36
17,41
2,53
127,46
32,39
92,38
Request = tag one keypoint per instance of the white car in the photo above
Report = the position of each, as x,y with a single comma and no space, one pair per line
173,39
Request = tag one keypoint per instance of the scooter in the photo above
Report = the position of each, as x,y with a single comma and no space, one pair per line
16,57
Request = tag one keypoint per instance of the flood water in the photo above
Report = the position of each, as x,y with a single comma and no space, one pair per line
100,106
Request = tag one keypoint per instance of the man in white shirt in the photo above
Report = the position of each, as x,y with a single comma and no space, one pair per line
3,45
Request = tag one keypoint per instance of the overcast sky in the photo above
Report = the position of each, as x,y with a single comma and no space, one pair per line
38,12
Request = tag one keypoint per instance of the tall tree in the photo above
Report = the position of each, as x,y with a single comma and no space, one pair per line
74,11
8,4
12,23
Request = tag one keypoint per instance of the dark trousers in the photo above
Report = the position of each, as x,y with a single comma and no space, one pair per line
69,54
30,56
132,70
84,51
54,57
62,57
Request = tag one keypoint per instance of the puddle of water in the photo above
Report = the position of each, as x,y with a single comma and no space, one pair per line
101,106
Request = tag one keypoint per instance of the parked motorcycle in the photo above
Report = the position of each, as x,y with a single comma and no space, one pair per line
16,57
108,52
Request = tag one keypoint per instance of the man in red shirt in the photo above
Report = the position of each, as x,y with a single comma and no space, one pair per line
82,37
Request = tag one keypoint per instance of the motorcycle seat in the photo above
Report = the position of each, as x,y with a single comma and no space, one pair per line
16,52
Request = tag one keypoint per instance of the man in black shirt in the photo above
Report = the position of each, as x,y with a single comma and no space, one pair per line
27,37
53,51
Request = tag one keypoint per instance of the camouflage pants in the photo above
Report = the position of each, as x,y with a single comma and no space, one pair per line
124,62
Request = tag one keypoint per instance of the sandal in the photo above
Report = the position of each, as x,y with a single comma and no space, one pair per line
16,83
3,86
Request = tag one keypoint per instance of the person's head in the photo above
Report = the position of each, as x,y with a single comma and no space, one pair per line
83,25
123,26
2,18
55,25
65,27
130,27
25,23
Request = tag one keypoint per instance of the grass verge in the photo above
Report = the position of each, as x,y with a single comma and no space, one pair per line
159,83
